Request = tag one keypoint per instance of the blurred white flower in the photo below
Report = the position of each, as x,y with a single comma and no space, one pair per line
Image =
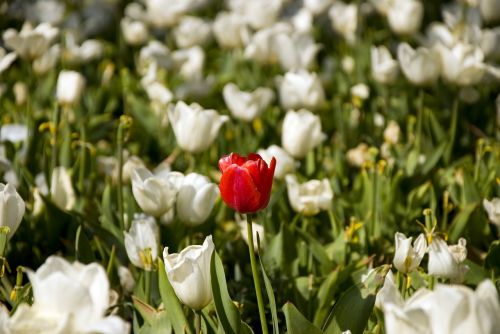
70,85
126,279
462,64
405,16
302,21
48,60
189,273
166,13
131,163
11,208
344,18
301,132
68,298
392,132
195,199
309,198
231,30
192,31
190,62
295,51
301,89
15,133
360,91
285,163
317,6
446,261
359,155
155,194
407,257
6,59
257,13
262,46
420,66
48,11
246,106
384,68
348,64
446,309
61,189
157,92
490,10
20,92
195,128
30,43
154,52
134,32
142,241
257,230
492,208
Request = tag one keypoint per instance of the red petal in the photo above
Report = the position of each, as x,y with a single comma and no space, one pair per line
228,160
238,190
267,183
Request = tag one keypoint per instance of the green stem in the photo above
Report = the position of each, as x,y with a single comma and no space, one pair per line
374,230
147,282
453,130
55,146
197,322
83,159
256,278
119,153
420,111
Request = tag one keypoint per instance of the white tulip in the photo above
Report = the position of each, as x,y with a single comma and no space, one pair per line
462,64
141,242
257,231
450,309
190,62
389,293
257,13
285,163
490,10
70,86
301,90
317,6
192,31
360,91
405,16
407,257
492,208
30,43
311,197
61,189
359,155
246,106
6,59
166,13
127,281
155,52
189,273
20,92
420,66
384,68
15,133
344,19
68,298
134,32
392,132
302,21
11,208
446,261
154,194
295,51
90,50
301,132
132,163
48,60
195,128
196,199
231,30
262,46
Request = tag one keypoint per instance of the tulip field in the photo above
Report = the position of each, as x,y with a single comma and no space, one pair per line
249,166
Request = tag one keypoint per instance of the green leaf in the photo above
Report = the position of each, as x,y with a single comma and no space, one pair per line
492,260
460,222
147,312
433,158
228,314
270,296
296,323
174,309
353,309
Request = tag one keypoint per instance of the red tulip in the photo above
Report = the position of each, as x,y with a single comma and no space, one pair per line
246,183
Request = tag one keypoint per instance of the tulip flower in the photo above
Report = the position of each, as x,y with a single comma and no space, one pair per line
391,133
70,86
407,257
344,18
246,183
30,43
189,273
262,47
420,66
311,197
301,132
6,59
192,31
61,189
405,16
134,32
384,68
246,106
231,30
195,199
446,261
11,208
493,210
285,164
155,194
194,127
462,64
141,242
301,90
68,298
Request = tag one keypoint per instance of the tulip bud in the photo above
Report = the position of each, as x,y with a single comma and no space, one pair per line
246,183
11,208
391,133
301,132
311,197
134,32
420,66
493,210
406,257
195,199
70,86
405,16
189,273
446,261
195,128
61,189
246,106
141,242
359,155
284,162
154,194
301,90
384,68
